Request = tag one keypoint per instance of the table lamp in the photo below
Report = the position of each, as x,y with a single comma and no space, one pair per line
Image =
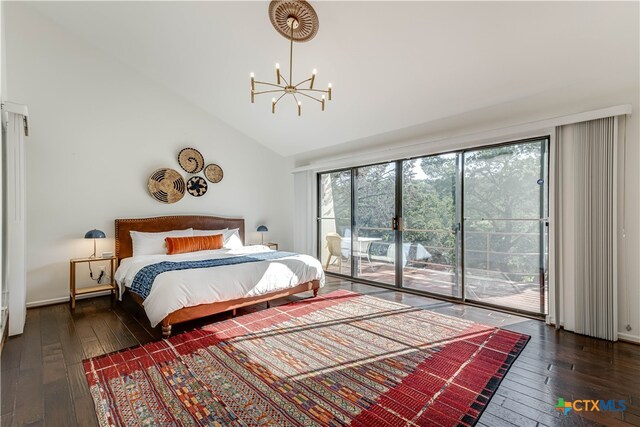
94,234
262,229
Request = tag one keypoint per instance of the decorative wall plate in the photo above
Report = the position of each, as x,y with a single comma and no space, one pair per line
166,185
197,186
190,160
213,173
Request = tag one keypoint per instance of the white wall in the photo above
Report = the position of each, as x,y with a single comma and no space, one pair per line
98,130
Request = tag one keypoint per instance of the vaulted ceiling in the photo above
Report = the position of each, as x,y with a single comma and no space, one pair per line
392,64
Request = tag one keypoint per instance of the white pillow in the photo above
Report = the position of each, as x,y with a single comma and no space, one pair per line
153,243
208,232
232,239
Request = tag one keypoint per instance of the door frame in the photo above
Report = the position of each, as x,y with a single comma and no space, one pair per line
398,231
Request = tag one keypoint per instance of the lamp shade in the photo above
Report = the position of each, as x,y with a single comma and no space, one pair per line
262,228
95,234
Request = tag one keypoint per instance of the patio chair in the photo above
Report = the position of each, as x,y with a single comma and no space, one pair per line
334,245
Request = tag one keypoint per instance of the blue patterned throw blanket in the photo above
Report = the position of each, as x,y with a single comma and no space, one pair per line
144,278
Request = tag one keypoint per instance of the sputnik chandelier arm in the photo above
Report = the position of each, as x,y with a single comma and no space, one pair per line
289,17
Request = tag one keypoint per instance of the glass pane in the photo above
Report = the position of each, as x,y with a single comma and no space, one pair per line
374,237
505,226
430,224
334,221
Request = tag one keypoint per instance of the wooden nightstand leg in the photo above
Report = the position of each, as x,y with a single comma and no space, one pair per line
113,281
72,284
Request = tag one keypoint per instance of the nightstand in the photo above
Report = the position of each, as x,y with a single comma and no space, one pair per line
74,292
273,246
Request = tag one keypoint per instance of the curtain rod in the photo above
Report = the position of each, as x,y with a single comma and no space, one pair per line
12,107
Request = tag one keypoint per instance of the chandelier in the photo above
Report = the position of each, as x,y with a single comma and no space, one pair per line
297,21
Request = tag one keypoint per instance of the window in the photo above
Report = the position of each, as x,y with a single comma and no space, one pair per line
469,225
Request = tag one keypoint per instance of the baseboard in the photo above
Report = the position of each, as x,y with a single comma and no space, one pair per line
628,337
63,299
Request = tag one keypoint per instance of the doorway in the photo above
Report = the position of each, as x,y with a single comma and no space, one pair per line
469,225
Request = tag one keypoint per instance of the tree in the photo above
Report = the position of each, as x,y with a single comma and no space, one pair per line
500,184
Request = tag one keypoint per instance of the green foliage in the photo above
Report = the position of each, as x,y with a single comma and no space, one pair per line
375,201
429,199
499,183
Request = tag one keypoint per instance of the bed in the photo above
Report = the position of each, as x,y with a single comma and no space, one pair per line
180,296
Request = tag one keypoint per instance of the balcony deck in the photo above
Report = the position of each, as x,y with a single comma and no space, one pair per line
482,286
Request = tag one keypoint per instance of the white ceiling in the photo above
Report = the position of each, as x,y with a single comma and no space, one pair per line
392,64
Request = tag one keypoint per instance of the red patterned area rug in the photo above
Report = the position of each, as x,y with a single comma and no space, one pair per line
335,360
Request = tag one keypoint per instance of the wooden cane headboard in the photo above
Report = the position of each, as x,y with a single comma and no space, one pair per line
124,247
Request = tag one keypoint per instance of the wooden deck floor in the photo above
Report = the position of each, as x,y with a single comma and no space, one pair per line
488,289
43,382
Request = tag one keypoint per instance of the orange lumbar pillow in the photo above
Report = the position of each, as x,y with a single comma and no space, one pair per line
181,245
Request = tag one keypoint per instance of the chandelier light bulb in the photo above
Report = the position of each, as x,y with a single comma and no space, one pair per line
313,78
277,66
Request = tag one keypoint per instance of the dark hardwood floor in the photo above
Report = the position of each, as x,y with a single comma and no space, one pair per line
43,382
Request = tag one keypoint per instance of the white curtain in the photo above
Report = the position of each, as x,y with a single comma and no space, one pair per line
585,226
304,208
14,218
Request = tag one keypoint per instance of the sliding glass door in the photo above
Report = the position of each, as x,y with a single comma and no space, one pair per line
505,226
431,224
374,235
469,225
334,221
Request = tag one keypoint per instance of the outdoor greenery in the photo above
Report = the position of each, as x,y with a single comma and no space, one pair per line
500,184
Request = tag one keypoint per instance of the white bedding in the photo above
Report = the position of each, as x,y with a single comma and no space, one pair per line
174,290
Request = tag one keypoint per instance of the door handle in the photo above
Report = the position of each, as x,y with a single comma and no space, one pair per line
396,223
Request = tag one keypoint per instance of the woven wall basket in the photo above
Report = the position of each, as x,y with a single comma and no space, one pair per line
197,186
214,173
166,185
191,160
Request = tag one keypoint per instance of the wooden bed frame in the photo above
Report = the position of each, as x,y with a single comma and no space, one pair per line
124,249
